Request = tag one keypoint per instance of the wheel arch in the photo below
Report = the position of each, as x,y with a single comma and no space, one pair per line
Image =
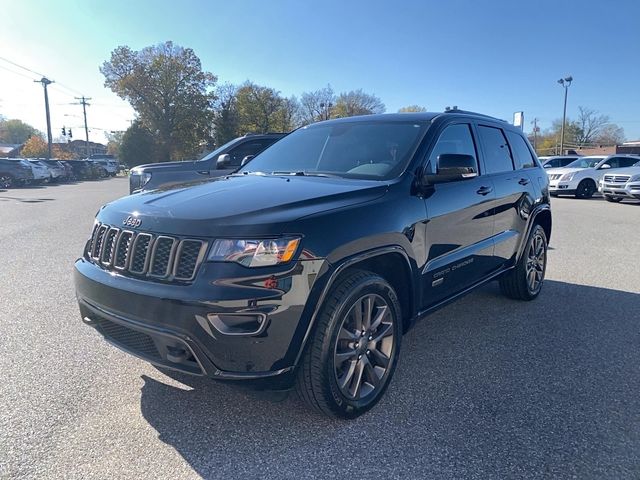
377,260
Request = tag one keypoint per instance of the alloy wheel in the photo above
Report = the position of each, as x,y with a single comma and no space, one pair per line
364,348
5,181
536,262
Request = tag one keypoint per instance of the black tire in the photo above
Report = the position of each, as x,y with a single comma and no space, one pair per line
6,180
611,199
332,379
586,188
517,283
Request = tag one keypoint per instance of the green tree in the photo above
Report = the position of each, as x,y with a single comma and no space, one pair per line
114,141
15,131
225,123
138,146
34,147
258,108
412,108
356,102
170,92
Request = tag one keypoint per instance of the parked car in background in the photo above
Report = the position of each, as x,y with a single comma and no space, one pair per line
221,161
68,171
622,184
557,161
14,172
99,171
109,166
82,170
580,178
58,172
41,172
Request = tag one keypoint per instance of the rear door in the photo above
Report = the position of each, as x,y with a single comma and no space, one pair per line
459,225
514,188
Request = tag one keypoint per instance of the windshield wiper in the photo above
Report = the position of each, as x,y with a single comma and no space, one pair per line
301,173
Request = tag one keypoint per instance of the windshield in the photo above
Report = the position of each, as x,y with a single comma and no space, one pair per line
585,162
373,150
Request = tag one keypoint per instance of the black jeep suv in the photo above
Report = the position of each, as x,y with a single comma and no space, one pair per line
220,162
311,261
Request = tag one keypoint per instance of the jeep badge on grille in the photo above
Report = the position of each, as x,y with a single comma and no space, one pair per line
132,222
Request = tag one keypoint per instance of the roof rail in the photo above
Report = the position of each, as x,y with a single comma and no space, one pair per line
455,109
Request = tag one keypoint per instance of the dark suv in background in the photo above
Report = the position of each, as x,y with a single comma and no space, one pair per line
220,162
14,172
311,261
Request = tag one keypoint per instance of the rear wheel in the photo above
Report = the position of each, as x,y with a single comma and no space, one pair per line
586,188
525,281
352,354
6,180
609,198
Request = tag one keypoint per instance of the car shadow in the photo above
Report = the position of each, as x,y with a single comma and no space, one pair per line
487,387
25,200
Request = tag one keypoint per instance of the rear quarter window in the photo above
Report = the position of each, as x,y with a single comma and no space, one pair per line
521,153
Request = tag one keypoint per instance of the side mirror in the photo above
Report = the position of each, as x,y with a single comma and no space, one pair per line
547,165
452,167
246,160
604,166
223,161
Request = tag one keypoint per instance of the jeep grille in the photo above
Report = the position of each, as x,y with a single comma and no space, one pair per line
143,254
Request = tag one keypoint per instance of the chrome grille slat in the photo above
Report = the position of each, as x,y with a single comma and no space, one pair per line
188,257
106,257
141,254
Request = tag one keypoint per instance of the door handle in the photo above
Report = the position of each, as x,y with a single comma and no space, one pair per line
484,190
524,181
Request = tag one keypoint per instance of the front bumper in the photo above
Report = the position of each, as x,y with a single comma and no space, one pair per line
557,187
625,190
222,326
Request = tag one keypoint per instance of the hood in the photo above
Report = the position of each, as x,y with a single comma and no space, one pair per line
171,166
239,205
624,171
563,170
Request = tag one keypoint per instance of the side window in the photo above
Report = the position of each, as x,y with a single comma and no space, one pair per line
247,148
565,161
497,154
520,151
627,161
454,139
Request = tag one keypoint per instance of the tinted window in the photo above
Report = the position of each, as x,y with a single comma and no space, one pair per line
520,151
454,139
496,150
627,161
248,148
563,162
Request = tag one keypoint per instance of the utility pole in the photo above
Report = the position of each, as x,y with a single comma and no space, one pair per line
83,102
45,82
565,82
535,133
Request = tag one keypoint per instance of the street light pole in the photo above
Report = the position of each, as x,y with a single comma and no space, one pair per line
45,82
565,82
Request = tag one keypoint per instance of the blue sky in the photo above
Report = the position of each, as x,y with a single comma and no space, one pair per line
495,57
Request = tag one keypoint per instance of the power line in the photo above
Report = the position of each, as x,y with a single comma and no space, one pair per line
16,73
20,66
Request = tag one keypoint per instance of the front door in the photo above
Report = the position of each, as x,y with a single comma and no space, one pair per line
459,226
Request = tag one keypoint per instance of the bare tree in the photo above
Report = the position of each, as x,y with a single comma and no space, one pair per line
316,106
610,134
590,124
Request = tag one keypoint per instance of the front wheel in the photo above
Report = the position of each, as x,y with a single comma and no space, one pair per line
352,354
6,181
525,280
586,189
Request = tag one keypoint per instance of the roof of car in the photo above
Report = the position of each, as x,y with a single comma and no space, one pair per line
413,117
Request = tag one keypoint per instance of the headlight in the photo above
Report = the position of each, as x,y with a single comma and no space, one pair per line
568,176
143,177
254,253
634,178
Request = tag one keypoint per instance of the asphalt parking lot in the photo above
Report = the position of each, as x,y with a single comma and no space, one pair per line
486,388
